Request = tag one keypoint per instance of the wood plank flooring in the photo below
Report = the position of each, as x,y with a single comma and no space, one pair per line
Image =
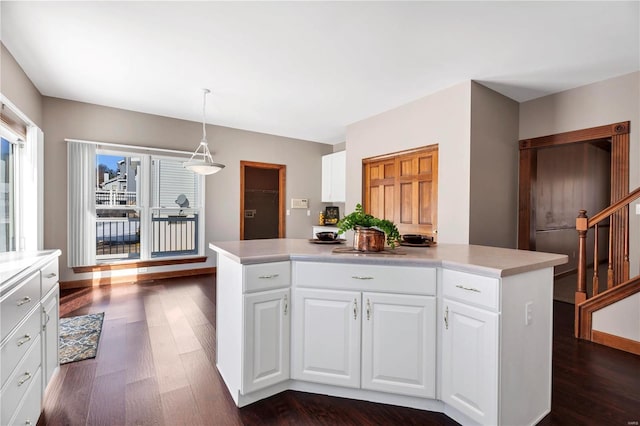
155,366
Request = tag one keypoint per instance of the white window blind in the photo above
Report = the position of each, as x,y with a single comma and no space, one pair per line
81,219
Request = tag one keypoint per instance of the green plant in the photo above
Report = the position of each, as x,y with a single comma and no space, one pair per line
358,218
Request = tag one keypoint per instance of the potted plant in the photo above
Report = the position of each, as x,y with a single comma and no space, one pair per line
370,231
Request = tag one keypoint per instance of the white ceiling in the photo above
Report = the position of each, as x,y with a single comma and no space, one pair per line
307,69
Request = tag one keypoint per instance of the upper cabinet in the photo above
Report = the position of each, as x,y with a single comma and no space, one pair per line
334,167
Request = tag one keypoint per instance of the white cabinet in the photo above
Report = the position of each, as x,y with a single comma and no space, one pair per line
266,339
470,361
334,167
50,323
397,334
253,327
326,329
398,344
28,334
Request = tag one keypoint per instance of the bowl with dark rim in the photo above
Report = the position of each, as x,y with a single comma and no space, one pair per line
414,238
327,236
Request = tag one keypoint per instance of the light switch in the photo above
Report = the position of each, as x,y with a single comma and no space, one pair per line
638,208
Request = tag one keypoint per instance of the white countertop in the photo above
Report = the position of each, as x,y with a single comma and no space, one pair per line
489,261
15,265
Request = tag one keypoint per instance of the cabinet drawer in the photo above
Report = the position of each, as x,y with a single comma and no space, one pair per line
266,276
49,276
469,288
18,343
29,408
18,383
351,276
15,305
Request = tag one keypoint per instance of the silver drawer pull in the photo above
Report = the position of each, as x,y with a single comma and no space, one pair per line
358,277
24,340
268,277
24,300
25,377
51,275
468,288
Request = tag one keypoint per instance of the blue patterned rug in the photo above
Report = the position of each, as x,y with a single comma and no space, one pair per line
79,337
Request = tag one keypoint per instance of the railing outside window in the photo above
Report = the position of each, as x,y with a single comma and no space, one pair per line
118,234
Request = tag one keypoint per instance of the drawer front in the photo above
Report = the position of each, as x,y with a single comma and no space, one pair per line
350,276
266,276
15,305
50,276
473,289
18,383
18,343
29,408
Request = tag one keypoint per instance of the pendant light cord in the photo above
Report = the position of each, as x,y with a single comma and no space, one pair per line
204,117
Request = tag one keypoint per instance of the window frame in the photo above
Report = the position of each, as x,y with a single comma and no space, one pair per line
144,187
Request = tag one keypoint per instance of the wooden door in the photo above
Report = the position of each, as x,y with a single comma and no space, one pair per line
262,200
403,187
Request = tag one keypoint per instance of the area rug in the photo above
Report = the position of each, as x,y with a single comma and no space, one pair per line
79,337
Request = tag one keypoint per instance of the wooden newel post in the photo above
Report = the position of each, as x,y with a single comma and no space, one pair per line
581,290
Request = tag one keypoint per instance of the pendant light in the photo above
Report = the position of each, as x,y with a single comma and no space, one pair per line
206,165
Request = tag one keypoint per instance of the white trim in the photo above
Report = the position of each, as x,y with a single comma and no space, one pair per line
124,146
16,110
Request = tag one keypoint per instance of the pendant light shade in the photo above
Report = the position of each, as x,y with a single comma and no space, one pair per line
201,161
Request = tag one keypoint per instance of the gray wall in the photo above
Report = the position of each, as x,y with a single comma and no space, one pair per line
16,86
442,118
75,120
494,169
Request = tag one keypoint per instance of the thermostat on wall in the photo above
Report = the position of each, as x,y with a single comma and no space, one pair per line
299,203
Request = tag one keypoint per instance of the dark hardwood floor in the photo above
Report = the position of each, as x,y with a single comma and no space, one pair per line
155,366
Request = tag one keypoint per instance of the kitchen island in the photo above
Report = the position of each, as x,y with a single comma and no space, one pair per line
460,329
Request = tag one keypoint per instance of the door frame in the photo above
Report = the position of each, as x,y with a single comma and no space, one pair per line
282,180
618,135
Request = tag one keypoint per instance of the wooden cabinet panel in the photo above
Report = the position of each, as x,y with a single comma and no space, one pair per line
403,187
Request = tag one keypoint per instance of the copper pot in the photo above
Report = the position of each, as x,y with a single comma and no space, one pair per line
368,239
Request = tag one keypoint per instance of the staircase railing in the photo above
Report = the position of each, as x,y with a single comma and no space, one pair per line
618,254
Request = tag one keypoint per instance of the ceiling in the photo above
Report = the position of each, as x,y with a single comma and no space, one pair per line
308,69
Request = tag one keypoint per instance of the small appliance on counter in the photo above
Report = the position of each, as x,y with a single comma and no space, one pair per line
331,215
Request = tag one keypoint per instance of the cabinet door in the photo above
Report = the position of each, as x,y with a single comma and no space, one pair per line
266,339
327,196
326,332
334,168
338,177
50,322
470,361
399,344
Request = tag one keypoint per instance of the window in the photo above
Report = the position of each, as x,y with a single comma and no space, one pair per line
117,207
21,207
8,193
146,206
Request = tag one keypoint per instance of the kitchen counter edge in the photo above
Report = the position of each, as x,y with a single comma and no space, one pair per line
481,260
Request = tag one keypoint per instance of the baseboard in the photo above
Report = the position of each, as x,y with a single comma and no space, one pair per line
615,342
131,279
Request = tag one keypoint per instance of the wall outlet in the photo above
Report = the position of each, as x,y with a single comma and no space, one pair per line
528,313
